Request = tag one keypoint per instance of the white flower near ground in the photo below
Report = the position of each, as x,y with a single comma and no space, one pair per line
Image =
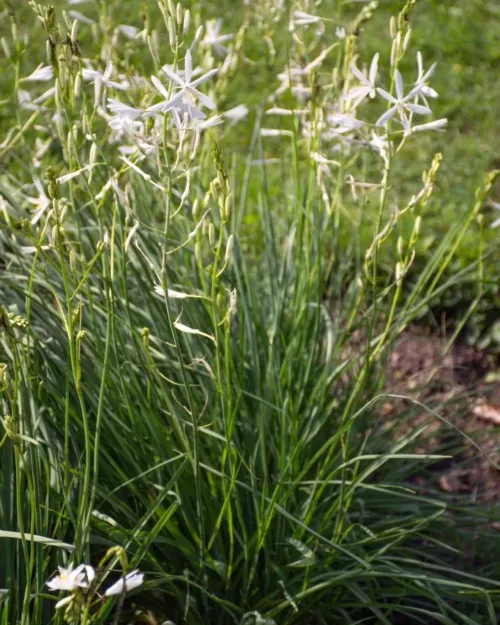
72,579
187,94
214,39
496,223
43,73
124,584
401,105
367,88
40,203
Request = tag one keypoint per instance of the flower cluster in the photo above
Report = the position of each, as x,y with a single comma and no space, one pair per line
82,585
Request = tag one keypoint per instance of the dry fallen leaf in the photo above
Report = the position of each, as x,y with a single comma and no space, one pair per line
487,412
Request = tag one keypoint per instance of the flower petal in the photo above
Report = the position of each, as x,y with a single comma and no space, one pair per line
382,121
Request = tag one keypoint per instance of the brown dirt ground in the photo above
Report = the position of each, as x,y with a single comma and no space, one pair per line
463,387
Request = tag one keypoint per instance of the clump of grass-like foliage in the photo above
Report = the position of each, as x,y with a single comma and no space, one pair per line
193,343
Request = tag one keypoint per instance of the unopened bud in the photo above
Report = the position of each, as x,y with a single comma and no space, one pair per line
58,97
172,35
93,154
5,47
400,246
153,47
406,40
171,7
179,17
395,50
418,225
77,87
195,211
197,38
229,248
211,234
393,27
74,30
70,145
227,208
186,23
399,272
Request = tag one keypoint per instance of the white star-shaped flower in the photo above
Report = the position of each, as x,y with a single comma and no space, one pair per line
367,87
214,39
72,579
124,584
402,105
188,93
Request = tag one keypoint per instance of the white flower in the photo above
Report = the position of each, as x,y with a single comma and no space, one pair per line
124,584
129,31
123,115
422,89
496,223
77,1
367,87
72,579
438,124
340,33
214,39
236,114
76,15
40,203
42,74
402,105
305,19
183,99
102,78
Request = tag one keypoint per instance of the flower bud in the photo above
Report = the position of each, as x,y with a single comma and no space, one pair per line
229,248
172,35
74,30
400,246
93,154
77,86
399,272
211,234
406,40
153,47
393,27
5,46
187,20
